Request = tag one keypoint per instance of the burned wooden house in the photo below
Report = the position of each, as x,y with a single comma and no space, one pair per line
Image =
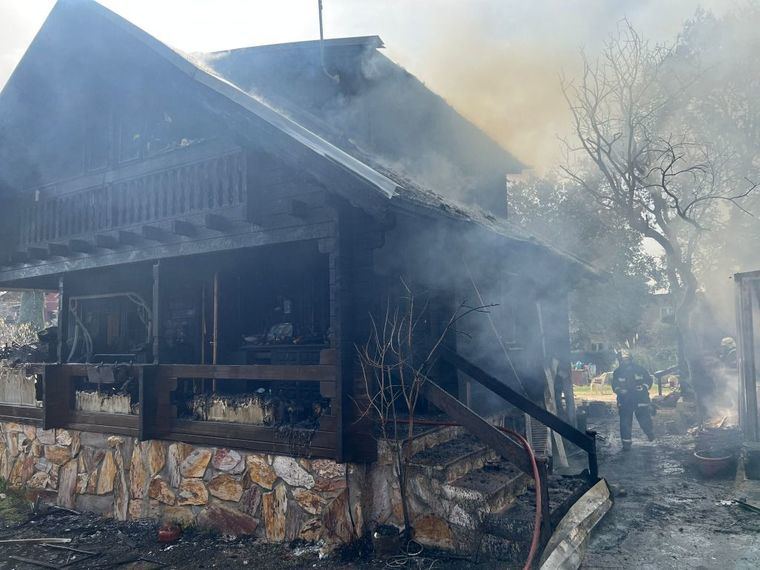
223,231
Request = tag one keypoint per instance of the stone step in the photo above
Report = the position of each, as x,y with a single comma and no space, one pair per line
451,460
491,488
514,523
509,553
434,436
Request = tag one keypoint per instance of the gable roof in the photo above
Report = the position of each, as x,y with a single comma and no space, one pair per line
349,93
384,182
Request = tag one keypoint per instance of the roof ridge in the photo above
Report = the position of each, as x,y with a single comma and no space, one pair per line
373,41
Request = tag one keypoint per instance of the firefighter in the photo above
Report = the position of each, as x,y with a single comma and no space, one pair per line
631,384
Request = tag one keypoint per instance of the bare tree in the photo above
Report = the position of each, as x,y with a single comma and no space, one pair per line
395,365
646,168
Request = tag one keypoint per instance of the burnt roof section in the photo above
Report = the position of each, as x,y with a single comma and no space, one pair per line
375,110
401,190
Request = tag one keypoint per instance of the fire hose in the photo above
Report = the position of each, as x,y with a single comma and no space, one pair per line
536,477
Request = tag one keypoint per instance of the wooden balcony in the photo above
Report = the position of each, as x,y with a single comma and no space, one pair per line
195,185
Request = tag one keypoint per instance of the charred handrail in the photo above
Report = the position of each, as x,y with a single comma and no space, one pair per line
586,441
477,426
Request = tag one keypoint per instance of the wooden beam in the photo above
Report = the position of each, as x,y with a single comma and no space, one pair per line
298,209
59,249
19,257
206,244
154,233
106,241
80,246
182,228
129,238
301,373
57,395
155,322
38,252
63,319
216,222
25,414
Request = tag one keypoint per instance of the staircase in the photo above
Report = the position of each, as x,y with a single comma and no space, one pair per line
471,489
464,497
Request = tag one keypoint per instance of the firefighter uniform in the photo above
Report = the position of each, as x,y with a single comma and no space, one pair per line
631,383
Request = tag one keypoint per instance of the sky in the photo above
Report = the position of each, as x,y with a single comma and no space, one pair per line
498,62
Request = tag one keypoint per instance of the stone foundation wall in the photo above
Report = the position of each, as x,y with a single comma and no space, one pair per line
276,498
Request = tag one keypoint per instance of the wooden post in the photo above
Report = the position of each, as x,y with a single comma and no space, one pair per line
215,341
546,521
155,321
57,391
746,359
63,320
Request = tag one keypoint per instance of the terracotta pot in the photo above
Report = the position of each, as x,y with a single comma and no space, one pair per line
169,533
712,463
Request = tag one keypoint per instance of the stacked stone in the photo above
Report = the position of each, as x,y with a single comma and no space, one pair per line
277,498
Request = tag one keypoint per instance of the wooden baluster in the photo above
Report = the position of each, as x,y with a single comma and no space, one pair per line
176,182
127,211
242,171
169,184
115,205
135,202
87,212
181,179
72,215
155,195
43,220
78,214
25,227
219,181
195,175
225,187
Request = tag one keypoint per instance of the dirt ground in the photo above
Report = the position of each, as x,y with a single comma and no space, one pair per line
132,545
666,515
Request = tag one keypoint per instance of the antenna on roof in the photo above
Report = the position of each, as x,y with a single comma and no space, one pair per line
322,46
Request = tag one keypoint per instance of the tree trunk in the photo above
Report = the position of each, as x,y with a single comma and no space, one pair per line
690,353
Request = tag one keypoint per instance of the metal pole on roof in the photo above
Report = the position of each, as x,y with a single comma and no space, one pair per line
322,46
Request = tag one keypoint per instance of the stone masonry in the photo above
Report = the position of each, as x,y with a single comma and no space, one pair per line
276,498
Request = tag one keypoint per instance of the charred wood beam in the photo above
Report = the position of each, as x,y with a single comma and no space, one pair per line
207,244
301,373
80,246
105,241
19,257
216,222
184,228
154,233
58,249
38,252
298,209
128,238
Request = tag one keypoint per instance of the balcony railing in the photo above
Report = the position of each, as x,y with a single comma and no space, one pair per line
124,200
